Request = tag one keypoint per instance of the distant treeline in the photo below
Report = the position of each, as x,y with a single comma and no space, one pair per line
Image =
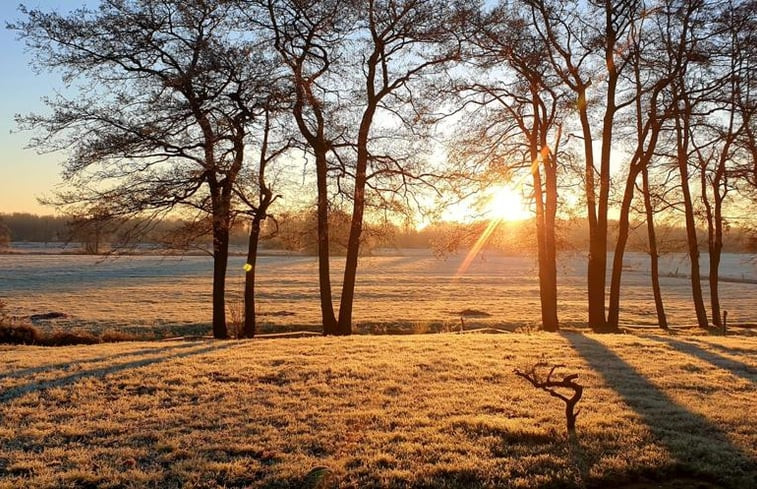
296,232
27,227
572,235
31,227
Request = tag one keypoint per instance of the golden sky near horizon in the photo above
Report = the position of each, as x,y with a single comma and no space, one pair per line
24,175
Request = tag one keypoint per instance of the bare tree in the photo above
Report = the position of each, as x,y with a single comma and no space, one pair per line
652,71
350,63
692,91
654,253
521,124
307,37
715,139
586,54
404,40
166,90
254,190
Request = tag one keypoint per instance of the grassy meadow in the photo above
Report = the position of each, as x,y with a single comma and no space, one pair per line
421,411
415,293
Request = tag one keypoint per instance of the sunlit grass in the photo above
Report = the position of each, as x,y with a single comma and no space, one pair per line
422,411
172,295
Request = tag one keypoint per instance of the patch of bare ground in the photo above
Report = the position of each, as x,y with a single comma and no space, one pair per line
421,411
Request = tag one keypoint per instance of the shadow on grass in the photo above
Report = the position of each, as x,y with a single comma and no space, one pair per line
736,368
698,446
19,391
75,363
730,350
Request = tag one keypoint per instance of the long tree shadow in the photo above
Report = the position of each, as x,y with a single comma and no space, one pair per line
730,350
699,447
19,391
76,363
736,368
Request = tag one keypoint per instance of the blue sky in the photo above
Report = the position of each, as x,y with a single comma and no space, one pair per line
24,175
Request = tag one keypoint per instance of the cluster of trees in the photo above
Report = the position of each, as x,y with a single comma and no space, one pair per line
191,106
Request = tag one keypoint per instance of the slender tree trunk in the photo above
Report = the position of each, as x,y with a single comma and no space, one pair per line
358,207
624,226
249,328
600,249
541,245
595,273
353,253
715,250
220,263
545,221
550,314
324,273
654,255
715,287
691,230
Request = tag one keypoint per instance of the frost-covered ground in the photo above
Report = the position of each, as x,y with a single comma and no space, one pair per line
414,292
420,411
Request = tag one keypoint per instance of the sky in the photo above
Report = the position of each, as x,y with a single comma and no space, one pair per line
24,175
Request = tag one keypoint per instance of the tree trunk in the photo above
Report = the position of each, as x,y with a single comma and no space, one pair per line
545,196
691,230
324,273
715,250
358,206
624,226
599,246
654,255
595,273
249,328
549,304
220,262
541,247
353,253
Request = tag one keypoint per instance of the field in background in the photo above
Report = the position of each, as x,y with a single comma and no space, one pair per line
412,293
380,411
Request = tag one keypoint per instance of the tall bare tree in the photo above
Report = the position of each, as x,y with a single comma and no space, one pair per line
590,57
308,37
166,90
255,191
691,92
402,41
351,63
520,123
715,136
651,72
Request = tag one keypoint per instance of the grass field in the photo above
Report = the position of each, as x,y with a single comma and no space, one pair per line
171,295
437,410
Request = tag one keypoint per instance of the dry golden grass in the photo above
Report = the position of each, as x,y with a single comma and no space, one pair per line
440,410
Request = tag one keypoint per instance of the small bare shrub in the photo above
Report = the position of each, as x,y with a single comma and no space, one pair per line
549,385
15,333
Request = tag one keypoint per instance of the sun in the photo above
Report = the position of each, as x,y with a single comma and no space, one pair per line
506,204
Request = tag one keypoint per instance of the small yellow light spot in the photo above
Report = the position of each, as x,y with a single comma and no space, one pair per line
247,267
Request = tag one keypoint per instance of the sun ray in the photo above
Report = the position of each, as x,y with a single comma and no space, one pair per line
480,242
